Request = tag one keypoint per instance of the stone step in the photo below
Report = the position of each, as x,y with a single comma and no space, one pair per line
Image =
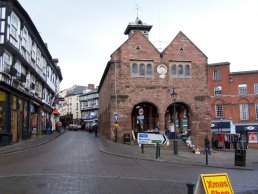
181,145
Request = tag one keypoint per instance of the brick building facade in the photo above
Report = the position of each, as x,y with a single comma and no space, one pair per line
138,81
234,102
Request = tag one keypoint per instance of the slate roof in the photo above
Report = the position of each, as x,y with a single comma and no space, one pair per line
75,90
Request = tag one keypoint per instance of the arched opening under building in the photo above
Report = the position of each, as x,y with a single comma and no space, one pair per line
179,113
145,118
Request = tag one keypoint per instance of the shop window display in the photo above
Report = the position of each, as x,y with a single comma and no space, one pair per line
2,111
253,138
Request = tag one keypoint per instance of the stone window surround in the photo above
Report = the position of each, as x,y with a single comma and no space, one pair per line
184,73
142,63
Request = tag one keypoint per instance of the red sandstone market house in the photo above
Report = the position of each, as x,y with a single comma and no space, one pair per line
138,81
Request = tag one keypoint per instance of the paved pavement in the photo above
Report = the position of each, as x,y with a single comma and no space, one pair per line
218,159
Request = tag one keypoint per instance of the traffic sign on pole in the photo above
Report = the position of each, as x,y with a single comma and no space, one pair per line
149,138
116,117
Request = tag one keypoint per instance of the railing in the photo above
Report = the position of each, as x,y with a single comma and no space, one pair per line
5,78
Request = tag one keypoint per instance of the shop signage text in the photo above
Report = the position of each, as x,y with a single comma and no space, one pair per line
214,184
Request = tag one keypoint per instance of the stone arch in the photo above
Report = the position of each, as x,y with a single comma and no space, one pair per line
219,101
243,101
144,116
181,112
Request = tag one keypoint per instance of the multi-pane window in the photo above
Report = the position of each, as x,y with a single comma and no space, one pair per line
134,70
242,89
244,112
44,94
2,24
219,110
24,38
173,71
180,70
18,67
216,74
217,90
142,69
256,111
187,70
14,25
7,59
149,70
33,51
256,88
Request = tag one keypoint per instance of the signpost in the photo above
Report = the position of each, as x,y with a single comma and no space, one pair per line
116,124
149,138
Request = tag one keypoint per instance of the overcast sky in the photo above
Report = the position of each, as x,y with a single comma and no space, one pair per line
83,34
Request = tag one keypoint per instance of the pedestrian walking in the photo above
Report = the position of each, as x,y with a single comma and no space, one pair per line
171,129
57,126
207,146
48,127
64,125
95,129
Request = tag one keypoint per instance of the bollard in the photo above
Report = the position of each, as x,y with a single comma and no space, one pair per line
175,147
157,151
142,148
190,188
206,152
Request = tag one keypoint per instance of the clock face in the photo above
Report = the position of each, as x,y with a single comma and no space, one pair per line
162,70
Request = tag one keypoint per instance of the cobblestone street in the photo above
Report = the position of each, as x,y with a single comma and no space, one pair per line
78,162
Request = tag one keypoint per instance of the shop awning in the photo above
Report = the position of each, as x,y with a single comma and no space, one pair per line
246,127
220,126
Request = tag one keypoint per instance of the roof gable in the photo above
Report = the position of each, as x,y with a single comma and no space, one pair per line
182,42
130,46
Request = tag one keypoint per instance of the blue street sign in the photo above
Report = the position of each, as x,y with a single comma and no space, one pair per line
116,117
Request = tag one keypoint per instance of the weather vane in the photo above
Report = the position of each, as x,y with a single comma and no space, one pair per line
137,9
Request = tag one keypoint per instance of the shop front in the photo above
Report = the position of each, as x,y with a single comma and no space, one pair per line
224,135
249,133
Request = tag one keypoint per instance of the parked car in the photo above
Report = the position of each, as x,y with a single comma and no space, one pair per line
74,127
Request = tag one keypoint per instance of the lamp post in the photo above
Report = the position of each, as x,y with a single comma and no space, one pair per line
174,95
221,119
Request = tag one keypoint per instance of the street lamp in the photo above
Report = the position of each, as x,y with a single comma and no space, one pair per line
174,95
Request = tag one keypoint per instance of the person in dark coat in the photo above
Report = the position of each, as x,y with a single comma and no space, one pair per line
48,127
207,145
95,129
